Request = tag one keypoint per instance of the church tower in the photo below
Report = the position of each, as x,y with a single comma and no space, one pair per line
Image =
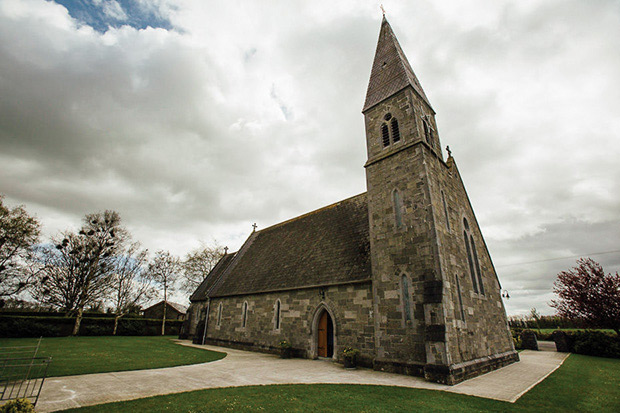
436,297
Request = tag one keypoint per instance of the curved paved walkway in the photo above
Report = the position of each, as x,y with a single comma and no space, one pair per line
242,368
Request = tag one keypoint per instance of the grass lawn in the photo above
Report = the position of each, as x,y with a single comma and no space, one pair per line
84,355
583,383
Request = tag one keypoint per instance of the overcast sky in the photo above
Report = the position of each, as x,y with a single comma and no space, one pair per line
195,119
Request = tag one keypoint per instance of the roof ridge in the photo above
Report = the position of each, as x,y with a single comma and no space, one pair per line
222,261
310,213
233,262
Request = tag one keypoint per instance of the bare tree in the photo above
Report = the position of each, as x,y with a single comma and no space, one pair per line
165,269
78,269
132,284
197,265
19,232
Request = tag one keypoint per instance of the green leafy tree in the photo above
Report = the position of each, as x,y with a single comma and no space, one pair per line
19,232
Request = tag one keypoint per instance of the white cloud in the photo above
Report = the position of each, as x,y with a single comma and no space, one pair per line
252,114
111,9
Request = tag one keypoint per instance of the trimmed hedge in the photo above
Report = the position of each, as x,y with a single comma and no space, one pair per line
593,343
546,321
31,313
588,342
20,326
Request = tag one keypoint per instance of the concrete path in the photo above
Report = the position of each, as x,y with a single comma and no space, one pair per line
242,368
546,345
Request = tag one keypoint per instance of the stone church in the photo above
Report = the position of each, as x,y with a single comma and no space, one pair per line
400,272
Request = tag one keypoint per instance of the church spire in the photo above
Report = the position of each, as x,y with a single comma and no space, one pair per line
391,71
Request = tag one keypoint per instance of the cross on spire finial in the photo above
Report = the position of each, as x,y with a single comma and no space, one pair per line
449,151
225,250
254,227
383,10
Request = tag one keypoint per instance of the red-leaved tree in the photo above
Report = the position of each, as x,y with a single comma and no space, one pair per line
589,295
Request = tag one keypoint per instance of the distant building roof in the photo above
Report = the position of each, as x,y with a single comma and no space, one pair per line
324,247
179,307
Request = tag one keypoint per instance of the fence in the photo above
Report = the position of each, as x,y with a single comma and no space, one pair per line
22,373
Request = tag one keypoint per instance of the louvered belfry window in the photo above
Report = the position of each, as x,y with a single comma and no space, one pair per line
395,131
390,131
385,135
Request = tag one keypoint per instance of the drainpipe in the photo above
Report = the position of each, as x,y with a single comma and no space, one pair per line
204,333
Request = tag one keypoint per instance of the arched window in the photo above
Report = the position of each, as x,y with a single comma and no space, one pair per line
475,254
472,258
428,131
472,272
398,213
445,210
458,291
385,135
406,298
219,315
244,314
395,131
391,133
276,315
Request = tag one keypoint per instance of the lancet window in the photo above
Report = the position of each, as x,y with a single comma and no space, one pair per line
390,131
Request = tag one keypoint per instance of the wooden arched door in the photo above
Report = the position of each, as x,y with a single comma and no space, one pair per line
325,336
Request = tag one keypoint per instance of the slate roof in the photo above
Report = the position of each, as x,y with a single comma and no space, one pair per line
179,307
391,71
201,292
324,247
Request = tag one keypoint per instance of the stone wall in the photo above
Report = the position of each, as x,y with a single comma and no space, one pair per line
195,313
476,323
450,323
405,253
349,306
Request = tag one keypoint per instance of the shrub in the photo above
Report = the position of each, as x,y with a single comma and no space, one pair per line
97,329
594,343
286,349
17,406
20,326
350,353
544,336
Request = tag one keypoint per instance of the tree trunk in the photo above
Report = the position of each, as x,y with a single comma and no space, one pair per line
78,321
163,320
118,317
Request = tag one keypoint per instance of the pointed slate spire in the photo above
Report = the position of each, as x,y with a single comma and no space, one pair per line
391,71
